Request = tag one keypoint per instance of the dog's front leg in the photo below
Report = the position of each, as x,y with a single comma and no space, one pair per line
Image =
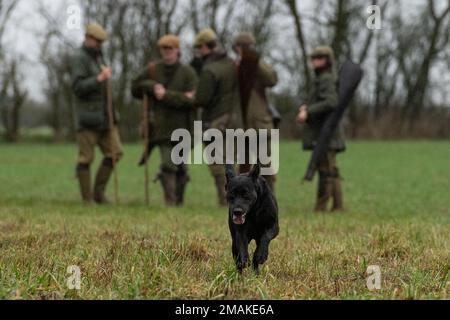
235,250
240,247
262,247
261,253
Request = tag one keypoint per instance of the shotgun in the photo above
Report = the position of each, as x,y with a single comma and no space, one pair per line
350,76
145,113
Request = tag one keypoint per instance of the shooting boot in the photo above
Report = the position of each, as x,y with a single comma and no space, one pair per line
84,179
168,182
220,186
338,203
324,192
101,180
181,183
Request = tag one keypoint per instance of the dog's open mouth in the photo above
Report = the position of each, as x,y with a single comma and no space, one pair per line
239,218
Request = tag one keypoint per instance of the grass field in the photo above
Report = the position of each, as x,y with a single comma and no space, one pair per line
398,217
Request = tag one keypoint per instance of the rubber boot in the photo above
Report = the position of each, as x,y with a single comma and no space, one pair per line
181,183
168,182
101,180
338,203
220,186
84,179
324,192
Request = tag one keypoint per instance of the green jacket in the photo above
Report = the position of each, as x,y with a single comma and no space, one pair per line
174,111
218,88
258,113
322,101
90,95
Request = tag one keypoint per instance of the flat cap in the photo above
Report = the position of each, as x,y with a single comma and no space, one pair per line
205,36
169,40
245,39
323,51
96,31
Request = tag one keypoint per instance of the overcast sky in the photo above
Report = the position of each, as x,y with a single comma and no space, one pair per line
22,37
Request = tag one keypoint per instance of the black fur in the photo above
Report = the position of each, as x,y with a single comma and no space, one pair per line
253,215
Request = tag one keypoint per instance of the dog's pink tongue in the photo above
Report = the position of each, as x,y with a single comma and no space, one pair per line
238,219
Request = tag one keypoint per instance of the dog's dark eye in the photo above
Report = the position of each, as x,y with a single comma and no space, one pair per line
248,195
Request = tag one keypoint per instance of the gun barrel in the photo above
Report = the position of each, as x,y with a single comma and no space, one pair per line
349,78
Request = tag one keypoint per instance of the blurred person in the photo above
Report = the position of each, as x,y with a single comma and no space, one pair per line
323,98
90,76
255,77
171,87
217,96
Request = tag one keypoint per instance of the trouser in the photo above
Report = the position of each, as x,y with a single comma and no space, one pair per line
251,152
226,121
329,185
109,143
111,147
174,178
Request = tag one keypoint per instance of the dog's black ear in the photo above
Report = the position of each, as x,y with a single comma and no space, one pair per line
229,172
256,171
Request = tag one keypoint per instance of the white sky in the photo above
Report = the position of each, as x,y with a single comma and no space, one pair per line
24,35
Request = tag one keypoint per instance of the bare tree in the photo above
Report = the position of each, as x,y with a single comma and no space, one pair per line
12,96
416,61
256,17
205,14
15,98
6,9
56,50
398,61
58,91
134,29
292,5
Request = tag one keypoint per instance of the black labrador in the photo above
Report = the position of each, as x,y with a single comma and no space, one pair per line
253,215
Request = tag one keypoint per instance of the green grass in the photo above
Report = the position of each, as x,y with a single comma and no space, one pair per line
398,217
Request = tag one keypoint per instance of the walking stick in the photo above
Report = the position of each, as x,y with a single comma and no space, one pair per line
109,99
146,146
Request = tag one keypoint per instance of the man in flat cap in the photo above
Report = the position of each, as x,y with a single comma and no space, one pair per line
89,81
255,77
323,98
171,87
217,96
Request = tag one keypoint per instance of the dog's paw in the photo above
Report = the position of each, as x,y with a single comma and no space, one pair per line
260,257
256,268
242,264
